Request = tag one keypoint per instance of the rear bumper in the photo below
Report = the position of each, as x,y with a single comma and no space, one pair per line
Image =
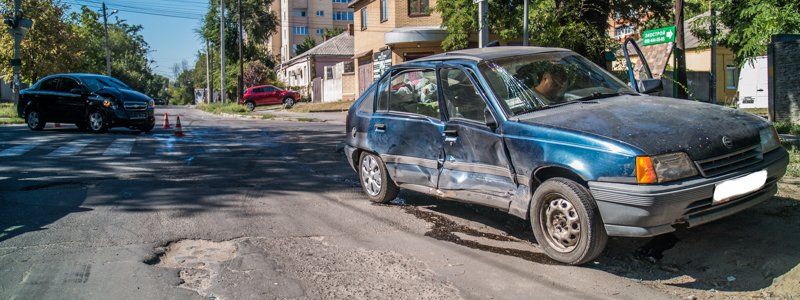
348,152
649,210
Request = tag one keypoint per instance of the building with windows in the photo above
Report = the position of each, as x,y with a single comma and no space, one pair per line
301,19
302,69
389,32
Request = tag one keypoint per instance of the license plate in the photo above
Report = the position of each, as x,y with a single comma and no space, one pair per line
729,189
138,115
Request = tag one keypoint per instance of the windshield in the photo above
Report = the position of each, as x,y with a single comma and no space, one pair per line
528,83
95,83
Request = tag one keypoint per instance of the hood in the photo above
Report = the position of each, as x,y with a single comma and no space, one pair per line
123,94
657,125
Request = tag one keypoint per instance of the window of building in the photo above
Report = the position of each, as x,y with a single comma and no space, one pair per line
731,77
363,19
320,31
320,13
384,10
299,13
340,1
300,30
343,16
418,8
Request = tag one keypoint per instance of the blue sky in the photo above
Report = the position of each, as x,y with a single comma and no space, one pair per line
169,27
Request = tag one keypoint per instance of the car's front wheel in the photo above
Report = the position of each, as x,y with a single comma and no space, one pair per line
288,102
566,222
374,180
97,122
34,120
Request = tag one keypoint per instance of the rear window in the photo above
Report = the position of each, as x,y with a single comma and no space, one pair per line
368,103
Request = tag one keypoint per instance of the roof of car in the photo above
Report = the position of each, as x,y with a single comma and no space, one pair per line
489,53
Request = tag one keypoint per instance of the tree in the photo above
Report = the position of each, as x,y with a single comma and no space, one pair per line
305,45
751,24
328,33
256,73
580,25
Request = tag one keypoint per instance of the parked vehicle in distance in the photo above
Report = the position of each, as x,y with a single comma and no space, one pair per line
160,101
91,102
268,95
753,84
548,136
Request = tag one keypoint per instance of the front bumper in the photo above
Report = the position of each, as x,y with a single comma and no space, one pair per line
649,210
124,118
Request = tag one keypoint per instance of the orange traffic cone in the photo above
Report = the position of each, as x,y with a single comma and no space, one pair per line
166,121
178,128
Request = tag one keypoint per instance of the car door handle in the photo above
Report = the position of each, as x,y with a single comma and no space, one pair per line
380,127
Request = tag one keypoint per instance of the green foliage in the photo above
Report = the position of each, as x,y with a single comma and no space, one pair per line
332,32
787,128
220,108
256,73
305,45
8,114
752,23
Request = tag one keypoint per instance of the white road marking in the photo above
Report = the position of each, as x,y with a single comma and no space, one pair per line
169,147
120,147
71,148
20,149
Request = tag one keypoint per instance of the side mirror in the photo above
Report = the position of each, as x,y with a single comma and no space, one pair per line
489,119
650,86
76,91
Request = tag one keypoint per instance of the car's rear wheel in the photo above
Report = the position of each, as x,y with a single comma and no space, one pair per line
97,122
288,102
375,182
566,222
34,120
250,106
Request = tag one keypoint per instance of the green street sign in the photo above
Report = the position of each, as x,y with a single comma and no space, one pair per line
658,36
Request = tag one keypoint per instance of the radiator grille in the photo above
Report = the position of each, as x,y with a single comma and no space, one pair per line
729,162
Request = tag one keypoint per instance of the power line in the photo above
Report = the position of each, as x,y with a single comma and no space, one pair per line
144,11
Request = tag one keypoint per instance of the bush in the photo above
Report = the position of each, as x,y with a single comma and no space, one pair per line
787,128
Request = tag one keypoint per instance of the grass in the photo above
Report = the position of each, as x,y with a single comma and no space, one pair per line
268,116
321,107
787,128
8,114
794,163
308,120
220,108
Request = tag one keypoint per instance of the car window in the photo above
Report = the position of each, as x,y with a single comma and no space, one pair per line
67,85
368,102
414,92
383,94
269,89
460,95
50,85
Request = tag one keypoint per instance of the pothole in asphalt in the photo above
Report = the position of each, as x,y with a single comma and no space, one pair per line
54,185
199,261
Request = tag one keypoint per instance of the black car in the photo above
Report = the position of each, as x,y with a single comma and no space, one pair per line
90,101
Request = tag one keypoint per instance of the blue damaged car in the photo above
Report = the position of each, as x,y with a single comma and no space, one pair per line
548,136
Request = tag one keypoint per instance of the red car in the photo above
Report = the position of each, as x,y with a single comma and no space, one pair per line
268,95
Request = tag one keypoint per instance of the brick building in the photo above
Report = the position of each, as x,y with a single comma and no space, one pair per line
300,19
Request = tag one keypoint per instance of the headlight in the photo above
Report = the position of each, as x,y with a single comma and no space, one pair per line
664,168
769,139
151,104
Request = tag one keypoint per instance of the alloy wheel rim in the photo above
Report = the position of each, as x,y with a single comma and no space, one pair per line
250,106
371,176
96,121
33,119
561,224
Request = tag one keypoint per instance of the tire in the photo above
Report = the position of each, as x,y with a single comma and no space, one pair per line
97,122
288,102
147,127
555,205
250,106
34,120
375,182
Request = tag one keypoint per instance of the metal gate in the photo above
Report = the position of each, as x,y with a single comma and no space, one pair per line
365,77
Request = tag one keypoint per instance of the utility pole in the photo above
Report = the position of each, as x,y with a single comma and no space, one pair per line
222,51
680,53
525,24
209,92
108,51
712,92
18,27
240,83
483,29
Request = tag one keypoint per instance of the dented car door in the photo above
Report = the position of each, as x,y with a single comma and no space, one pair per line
476,166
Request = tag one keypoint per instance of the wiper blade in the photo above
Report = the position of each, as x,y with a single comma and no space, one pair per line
597,95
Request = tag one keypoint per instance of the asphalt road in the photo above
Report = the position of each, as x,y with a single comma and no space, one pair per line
243,209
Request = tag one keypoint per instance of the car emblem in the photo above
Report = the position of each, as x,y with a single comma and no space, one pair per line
727,141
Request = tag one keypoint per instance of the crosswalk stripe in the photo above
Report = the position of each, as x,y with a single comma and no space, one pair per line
70,148
169,147
120,147
19,150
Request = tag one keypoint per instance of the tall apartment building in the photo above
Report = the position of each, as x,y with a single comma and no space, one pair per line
301,18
